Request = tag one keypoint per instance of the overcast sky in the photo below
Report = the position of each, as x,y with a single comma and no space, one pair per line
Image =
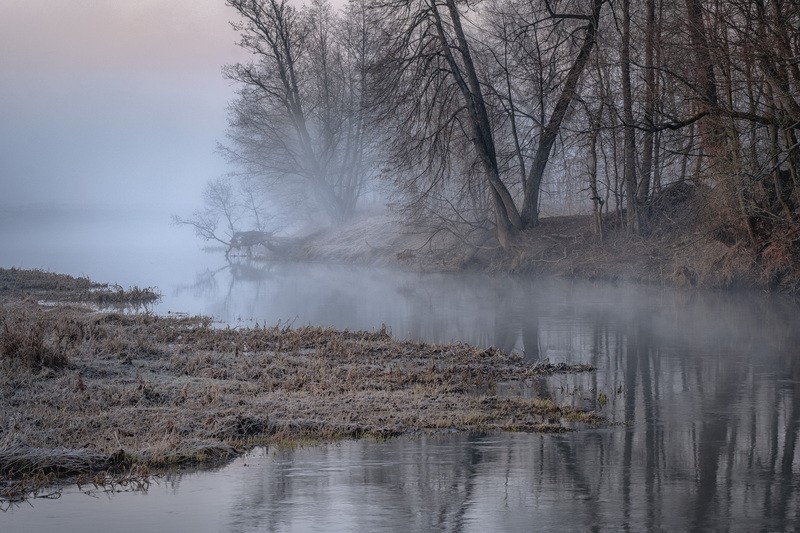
112,100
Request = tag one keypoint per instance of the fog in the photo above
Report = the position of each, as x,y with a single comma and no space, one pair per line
112,103
703,398
110,113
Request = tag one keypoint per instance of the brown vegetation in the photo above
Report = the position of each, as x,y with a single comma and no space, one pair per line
682,242
88,392
52,287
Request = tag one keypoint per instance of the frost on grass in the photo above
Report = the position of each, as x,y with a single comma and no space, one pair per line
138,390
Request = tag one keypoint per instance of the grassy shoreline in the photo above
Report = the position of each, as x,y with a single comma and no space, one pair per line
673,249
97,395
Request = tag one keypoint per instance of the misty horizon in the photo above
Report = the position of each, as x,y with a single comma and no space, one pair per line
112,104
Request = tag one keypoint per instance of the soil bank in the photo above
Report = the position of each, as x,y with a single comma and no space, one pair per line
680,243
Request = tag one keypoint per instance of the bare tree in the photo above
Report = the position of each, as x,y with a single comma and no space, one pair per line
231,206
220,202
649,144
631,181
447,99
567,94
430,70
298,123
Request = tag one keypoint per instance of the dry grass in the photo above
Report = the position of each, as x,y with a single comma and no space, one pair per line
683,242
21,281
17,283
142,391
686,240
29,339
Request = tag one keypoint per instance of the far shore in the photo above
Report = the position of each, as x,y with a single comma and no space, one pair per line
669,251
93,395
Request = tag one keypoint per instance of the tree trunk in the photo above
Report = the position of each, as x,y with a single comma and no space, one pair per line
597,201
711,131
651,36
632,209
507,216
530,206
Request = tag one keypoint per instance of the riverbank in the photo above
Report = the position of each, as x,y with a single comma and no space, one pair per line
674,247
97,395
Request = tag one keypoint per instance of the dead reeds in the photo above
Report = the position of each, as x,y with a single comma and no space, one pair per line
52,287
143,391
29,339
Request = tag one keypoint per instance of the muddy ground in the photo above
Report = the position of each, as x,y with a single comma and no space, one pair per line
96,394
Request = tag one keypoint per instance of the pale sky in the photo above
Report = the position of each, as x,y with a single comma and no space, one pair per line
112,100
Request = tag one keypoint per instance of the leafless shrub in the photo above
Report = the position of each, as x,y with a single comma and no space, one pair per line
28,339
116,295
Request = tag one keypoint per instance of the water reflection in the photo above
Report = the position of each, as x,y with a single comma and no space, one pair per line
703,388
705,385
415,485
711,408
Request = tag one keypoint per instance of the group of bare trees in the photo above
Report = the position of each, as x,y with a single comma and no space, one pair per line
482,94
299,123
484,115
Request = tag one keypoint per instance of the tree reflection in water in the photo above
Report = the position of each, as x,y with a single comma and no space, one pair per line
703,388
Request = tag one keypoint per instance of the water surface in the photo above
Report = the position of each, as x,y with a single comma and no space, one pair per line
703,390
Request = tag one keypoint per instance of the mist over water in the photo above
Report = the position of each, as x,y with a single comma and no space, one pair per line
702,390
130,245
110,116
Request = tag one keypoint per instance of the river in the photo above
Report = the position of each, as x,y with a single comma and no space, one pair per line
702,390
